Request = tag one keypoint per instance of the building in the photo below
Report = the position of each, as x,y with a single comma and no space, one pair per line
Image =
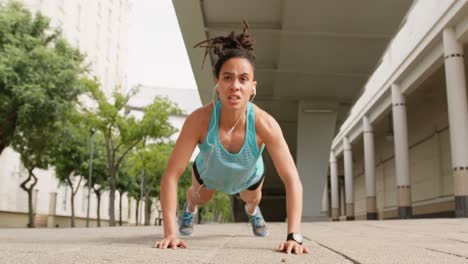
312,59
403,149
324,68
98,29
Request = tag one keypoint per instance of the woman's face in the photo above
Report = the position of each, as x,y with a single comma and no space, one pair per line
235,83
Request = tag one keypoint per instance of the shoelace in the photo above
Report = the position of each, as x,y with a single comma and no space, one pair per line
187,218
256,221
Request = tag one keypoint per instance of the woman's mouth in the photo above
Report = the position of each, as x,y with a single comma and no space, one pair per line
234,98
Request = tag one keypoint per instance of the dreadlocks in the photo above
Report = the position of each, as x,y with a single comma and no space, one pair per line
230,46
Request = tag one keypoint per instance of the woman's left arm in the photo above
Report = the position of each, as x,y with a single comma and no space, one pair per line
270,132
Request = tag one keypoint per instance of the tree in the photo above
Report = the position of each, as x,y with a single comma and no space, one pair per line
40,79
185,181
122,132
34,154
218,209
69,154
40,74
99,182
123,185
151,160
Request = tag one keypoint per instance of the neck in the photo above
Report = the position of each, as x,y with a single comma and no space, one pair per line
232,118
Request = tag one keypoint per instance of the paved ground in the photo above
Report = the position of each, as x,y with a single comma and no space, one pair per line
409,241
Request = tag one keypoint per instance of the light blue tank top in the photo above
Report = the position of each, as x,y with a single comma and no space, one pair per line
231,173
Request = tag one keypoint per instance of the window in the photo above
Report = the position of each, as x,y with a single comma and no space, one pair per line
108,49
78,17
65,195
99,9
39,5
84,199
109,20
61,6
98,34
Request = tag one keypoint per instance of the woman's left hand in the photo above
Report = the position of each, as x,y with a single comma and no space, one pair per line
293,247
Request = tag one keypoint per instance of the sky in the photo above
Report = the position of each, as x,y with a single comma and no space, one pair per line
156,50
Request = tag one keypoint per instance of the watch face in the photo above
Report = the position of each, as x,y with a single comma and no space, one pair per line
297,237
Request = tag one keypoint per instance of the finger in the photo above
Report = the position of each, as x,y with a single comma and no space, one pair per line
183,244
296,249
281,247
173,244
164,244
289,249
306,250
156,244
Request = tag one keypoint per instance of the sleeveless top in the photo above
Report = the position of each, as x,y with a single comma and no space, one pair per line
231,173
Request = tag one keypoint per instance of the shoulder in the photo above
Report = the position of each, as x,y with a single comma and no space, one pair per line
201,114
265,125
198,121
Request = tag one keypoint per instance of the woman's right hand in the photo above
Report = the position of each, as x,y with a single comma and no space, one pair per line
170,242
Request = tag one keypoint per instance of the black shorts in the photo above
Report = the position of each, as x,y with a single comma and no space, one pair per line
253,187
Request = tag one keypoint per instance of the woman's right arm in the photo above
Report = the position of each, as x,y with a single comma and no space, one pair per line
178,161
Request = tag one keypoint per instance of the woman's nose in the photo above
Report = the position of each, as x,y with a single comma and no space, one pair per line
236,85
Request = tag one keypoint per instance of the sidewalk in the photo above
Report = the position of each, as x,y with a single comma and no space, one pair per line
396,241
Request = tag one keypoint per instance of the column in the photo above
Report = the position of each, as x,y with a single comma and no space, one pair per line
315,130
400,132
458,118
325,200
335,213
52,209
342,199
348,171
369,168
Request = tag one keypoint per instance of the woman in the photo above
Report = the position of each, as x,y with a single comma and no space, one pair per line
231,135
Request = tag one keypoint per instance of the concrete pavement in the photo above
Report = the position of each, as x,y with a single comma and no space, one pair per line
395,241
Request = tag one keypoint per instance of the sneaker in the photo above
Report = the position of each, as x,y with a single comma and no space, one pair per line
259,227
186,222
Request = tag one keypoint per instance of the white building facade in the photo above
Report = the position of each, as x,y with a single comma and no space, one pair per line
99,30
408,131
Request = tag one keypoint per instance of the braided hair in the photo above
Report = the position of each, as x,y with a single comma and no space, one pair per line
230,46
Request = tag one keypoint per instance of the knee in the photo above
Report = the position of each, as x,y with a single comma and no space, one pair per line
252,198
199,198
204,198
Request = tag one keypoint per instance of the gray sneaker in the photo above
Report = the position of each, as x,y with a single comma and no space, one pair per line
186,222
259,227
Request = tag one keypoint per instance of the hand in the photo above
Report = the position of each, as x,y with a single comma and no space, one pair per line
293,247
170,242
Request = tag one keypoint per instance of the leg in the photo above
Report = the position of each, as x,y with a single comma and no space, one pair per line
197,194
252,198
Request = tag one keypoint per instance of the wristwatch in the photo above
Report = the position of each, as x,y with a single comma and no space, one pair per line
296,237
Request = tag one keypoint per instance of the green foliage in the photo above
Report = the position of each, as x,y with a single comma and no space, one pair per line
122,133
40,74
100,166
41,77
218,209
70,149
185,181
151,159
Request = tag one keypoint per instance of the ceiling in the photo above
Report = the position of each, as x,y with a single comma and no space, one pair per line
311,50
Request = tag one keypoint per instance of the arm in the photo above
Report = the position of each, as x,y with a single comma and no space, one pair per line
284,164
177,164
270,131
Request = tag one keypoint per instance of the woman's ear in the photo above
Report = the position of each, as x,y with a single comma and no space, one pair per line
254,88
